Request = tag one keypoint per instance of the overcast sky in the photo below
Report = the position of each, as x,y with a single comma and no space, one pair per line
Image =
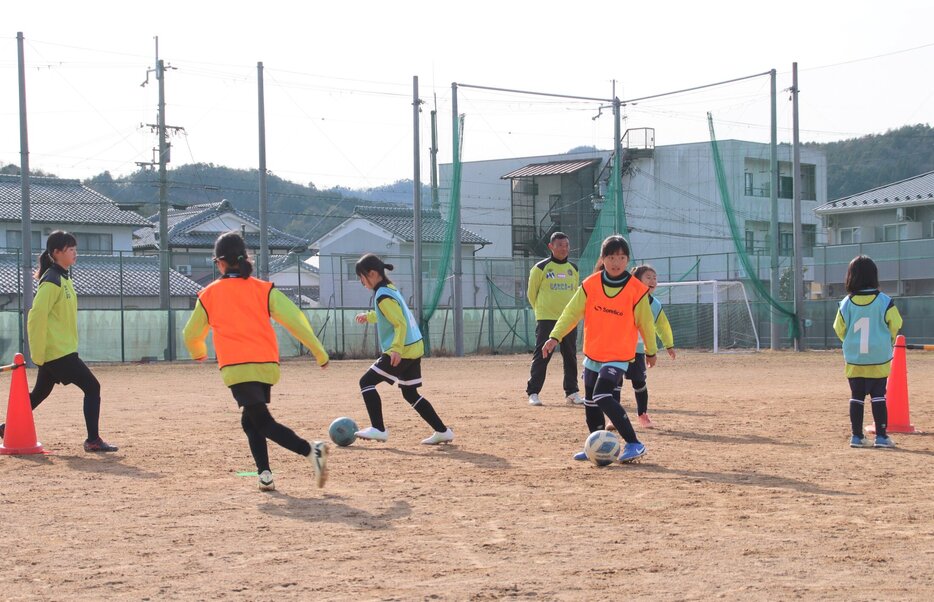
339,78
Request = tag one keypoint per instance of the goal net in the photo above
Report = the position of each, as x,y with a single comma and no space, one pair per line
712,315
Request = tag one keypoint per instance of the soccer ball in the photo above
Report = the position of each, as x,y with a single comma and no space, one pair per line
601,447
343,431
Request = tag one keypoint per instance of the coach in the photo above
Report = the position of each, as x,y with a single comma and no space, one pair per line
552,283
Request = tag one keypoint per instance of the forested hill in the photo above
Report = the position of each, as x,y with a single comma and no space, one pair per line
853,166
864,163
295,208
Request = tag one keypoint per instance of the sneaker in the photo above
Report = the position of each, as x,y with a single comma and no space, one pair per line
575,398
436,438
2,430
859,441
645,422
534,400
580,456
884,442
631,451
319,459
265,481
373,434
99,445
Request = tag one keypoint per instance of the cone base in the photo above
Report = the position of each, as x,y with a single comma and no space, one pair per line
894,428
21,451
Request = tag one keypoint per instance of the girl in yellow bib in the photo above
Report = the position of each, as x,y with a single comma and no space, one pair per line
615,308
239,309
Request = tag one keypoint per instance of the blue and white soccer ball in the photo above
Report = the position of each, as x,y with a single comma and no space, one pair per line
602,447
343,431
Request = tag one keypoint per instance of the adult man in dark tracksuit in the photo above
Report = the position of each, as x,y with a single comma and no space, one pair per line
552,283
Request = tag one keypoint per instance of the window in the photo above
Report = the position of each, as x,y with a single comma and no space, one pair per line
786,187
786,243
748,188
94,242
848,236
895,232
14,240
750,240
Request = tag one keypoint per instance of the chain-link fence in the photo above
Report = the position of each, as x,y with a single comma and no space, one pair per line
120,325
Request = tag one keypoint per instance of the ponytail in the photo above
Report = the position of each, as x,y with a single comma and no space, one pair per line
371,262
232,249
57,241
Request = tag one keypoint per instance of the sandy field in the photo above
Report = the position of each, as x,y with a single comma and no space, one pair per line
749,491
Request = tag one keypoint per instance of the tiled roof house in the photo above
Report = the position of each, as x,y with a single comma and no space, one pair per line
388,232
193,230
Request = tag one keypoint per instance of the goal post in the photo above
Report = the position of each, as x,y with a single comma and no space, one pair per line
714,315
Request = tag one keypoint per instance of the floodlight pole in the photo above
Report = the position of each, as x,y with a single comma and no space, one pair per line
617,166
263,193
800,343
417,203
24,184
456,240
774,288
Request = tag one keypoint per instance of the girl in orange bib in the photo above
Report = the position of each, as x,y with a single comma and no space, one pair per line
238,308
615,308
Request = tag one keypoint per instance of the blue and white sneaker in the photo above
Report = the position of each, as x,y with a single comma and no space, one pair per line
856,441
884,442
631,452
580,456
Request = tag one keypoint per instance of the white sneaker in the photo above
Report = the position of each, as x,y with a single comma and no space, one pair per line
575,398
319,460
373,434
534,400
436,438
265,481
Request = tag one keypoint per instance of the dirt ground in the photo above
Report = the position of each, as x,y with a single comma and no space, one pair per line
749,491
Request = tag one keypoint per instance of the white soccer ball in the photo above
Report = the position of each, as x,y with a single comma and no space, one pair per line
602,447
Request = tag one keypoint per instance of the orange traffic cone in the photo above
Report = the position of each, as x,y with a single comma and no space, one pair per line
20,435
896,393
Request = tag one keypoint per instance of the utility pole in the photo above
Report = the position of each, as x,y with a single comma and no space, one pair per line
263,196
774,283
24,184
796,159
435,202
164,252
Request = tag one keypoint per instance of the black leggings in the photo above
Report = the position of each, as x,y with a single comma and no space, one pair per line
70,370
259,425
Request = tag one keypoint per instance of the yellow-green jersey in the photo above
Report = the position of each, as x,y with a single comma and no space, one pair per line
283,311
552,283
53,320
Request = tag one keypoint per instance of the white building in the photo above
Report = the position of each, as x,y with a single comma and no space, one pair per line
388,232
671,196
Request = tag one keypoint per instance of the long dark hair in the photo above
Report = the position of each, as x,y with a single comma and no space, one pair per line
231,248
862,274
371,261
611,245
57,241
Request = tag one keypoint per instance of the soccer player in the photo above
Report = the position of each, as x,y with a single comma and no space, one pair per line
636,373
552,283
867,322
238,307
52,326
615,308
400,361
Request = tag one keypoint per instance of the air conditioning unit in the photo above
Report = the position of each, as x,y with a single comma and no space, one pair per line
185,270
